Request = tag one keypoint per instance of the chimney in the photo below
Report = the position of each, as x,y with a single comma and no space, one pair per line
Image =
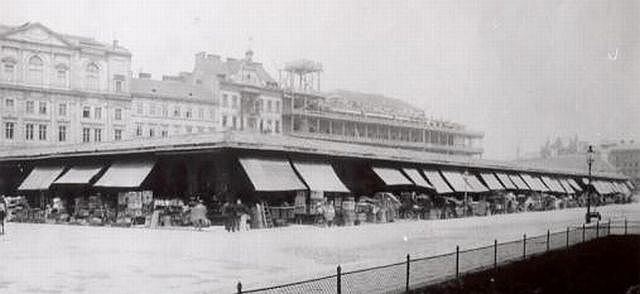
144,75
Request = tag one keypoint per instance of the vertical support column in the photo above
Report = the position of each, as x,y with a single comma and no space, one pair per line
524,246
625,226
598,229
408,273
567,238
339,280
495,254
239,287
548,239
457,262
583,232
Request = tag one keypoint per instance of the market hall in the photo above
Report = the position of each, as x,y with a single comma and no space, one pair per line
278,181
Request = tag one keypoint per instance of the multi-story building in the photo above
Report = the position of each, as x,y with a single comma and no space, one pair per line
248,97
58,89
171,107
365,118
626,159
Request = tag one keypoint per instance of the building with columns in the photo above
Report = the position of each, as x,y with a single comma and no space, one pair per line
61,89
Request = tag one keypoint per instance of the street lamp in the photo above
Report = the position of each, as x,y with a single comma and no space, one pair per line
590,160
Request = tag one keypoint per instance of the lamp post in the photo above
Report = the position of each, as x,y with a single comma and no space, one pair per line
590,159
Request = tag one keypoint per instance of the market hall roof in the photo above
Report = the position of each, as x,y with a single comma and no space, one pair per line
278,143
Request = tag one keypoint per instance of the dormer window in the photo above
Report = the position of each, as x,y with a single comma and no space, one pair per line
92,77
35,68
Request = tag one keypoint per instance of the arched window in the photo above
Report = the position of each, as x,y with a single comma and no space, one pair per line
61,77
35,68
92,77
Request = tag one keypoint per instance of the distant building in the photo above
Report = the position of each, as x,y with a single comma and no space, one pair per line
365,118
61,89
626,159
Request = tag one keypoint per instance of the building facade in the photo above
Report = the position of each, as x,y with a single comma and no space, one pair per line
61,89
626,159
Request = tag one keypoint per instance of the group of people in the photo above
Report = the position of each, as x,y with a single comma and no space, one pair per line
236,216
3,214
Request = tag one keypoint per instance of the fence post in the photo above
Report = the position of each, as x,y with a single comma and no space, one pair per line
597,229
548,239
524,246
609,227
339,280
408,273
495,254
567,238
457,262
239,287
583,231
625,226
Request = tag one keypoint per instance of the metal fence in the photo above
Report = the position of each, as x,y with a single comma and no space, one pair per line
414,273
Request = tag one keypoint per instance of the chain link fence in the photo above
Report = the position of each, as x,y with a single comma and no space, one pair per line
416,273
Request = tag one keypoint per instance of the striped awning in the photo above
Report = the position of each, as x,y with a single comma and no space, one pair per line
567,187
553,184
506,181
475,183
519,182
437,181
574,185
417,179
492,182
457,182
391,176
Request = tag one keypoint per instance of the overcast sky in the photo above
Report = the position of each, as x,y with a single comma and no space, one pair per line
521,71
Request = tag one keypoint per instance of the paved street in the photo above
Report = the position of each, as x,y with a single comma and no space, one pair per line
73,259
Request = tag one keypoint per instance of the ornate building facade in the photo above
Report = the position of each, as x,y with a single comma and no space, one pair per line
61,89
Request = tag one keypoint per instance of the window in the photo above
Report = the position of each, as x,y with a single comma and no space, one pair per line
152,132
176,111
235,101
200,113
86,112
225,100
235,122
277,127
138,130
61,75
42,132
97,113
9,130
269,106
92,76
118,114
224,120
35,68
189,129
42,107
165,111
9,69
212,114
62,109
261,125
164,133
9,103
30,107
86,134
277,106
28,131
187,114
117,134
152,109
118,86
62,133
97,135
139,108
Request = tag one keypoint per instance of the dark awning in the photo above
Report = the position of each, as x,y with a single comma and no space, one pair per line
320,177
271,174
41,177
125,174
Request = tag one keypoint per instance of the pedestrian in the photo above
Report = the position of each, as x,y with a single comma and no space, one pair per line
227,214
3,214
329,213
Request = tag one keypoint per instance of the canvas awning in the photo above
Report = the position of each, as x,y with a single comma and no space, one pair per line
391,176
437,181
574,185
567,187
519,182
630,185
41,177
614,188
531,182
125,174
475,183
271,174
601,188
320,177
506,182
79,175
553,184
491,181
417,179
457,182
624,188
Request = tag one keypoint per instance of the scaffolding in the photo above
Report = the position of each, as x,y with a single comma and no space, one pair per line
301,75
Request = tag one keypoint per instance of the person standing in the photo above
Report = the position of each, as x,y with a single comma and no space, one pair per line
329,213
3,214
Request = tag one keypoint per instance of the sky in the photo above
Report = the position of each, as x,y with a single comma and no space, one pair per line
520,71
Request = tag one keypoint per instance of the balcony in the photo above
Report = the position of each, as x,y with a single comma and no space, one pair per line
430,147
361,118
